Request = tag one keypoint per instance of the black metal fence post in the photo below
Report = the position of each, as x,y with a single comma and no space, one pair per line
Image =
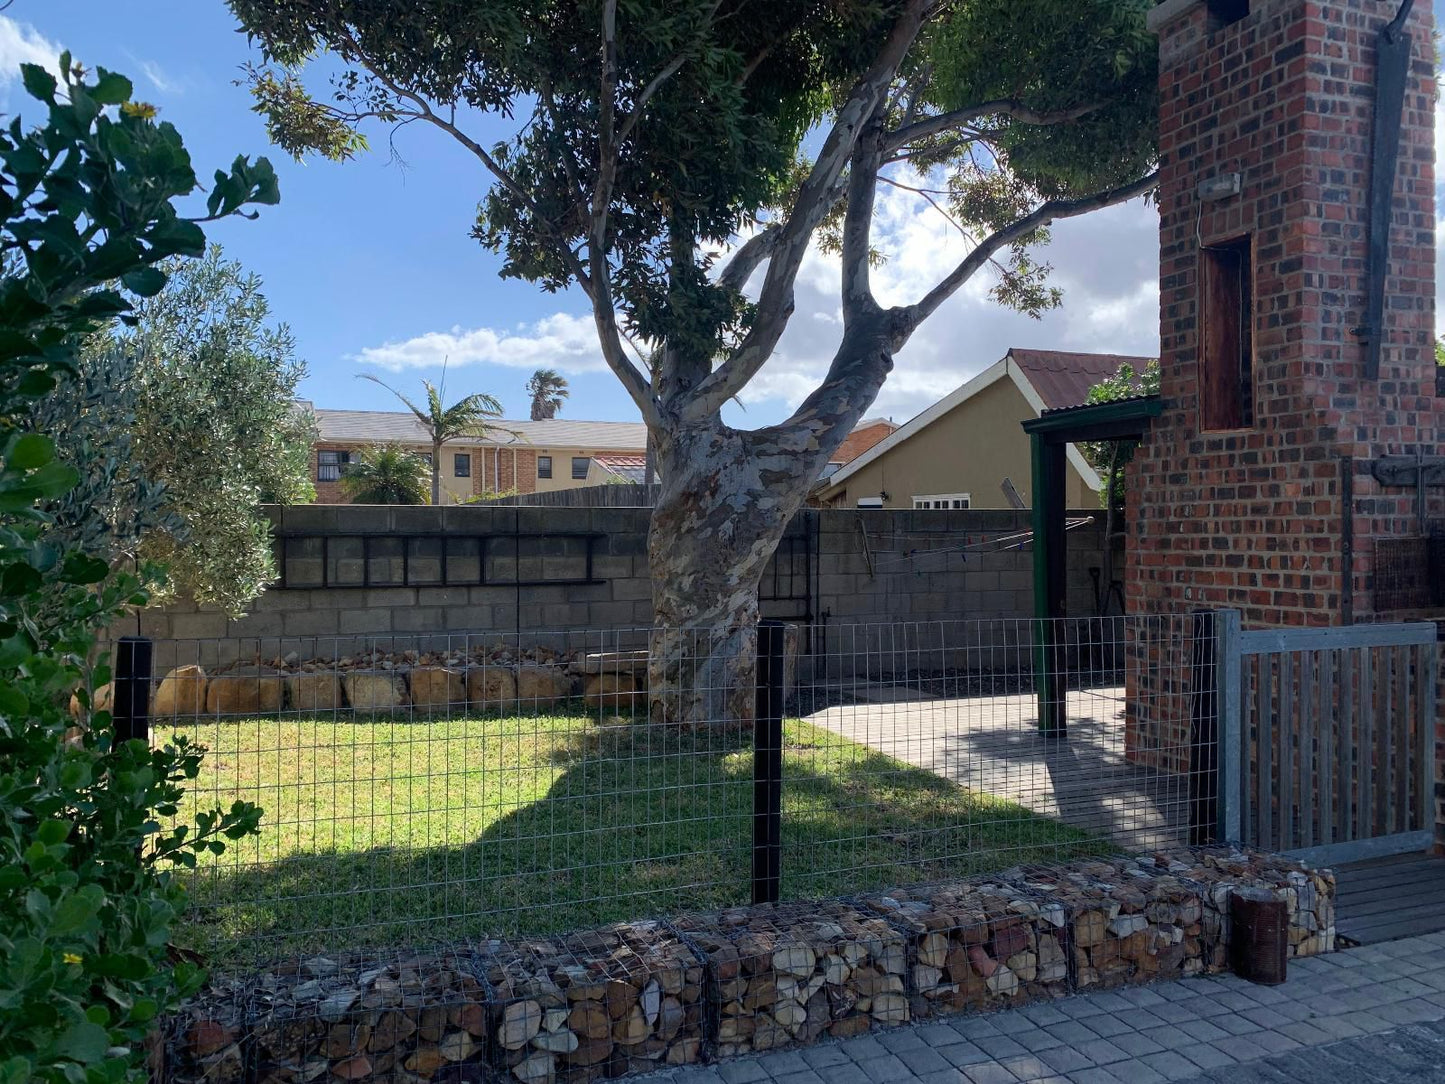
768,765
131,705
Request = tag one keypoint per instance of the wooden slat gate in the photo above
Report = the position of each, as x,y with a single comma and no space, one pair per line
1328,738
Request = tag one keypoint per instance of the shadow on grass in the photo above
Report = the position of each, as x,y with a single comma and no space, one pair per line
641,821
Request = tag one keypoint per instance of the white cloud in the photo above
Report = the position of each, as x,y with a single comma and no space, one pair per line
158,77
21,43
561,341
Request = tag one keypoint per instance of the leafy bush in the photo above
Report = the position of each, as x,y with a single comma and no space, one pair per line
87,896
387,474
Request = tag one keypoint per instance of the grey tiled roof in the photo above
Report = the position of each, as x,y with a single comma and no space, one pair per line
381,426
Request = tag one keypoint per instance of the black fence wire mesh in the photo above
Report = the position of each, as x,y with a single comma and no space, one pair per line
439,789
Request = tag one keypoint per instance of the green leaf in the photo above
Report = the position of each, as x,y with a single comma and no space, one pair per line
145,281
85,1043
111,88
39,83
31,451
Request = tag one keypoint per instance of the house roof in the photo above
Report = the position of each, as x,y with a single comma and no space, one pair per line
1063,379
1067,377
385,426
631,467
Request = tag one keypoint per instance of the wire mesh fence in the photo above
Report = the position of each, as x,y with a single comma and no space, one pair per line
448,788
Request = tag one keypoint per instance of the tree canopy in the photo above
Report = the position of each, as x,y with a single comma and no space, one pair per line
674,160
548,389
655,134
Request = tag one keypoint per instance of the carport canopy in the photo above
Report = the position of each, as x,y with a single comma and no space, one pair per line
1050,434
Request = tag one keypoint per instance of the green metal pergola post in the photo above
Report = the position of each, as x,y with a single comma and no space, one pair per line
1050,435
1049,584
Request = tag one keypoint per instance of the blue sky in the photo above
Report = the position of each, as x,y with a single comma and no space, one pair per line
371,264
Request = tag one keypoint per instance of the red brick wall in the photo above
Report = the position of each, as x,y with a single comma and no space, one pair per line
1253,519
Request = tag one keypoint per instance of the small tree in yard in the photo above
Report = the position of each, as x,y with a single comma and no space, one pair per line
676,162
386,474
1110,457
548,389
195,398
467,417
87,893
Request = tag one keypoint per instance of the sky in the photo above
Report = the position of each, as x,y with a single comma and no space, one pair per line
371,264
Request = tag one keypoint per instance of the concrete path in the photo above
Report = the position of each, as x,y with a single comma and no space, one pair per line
992,745
1372,1014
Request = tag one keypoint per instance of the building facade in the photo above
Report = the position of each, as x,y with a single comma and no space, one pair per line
521,456
967,450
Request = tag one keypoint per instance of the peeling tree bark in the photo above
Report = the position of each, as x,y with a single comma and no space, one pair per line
726,498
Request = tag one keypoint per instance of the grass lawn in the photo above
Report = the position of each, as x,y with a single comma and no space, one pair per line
381,832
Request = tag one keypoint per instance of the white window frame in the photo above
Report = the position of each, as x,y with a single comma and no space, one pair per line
942,501
870,502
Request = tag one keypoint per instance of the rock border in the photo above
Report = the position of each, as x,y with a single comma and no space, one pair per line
634,997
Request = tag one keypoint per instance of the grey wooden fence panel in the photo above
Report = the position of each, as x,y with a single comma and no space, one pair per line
1288,760
1264,721
1336,734
1365,801
1329,771
1306,727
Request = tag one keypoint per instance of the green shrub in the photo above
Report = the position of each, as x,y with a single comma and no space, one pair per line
87,898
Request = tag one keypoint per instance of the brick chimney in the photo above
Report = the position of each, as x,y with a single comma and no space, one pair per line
1255,490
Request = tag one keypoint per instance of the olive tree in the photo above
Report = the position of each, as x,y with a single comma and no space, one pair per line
673,162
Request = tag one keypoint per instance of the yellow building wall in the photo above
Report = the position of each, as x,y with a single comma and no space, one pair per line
971,449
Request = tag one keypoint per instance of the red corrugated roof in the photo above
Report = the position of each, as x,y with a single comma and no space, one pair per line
1063,379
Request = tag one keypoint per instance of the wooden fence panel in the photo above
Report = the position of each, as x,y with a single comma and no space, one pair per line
1336,728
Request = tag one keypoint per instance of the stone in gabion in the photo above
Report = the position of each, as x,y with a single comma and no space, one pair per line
330,1018
792,973
628,998
976,945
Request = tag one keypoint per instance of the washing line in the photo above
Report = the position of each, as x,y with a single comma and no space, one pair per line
1002,544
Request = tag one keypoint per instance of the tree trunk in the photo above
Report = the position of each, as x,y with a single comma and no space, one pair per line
719,516
436,473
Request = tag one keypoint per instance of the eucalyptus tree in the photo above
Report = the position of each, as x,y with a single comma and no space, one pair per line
674,161
467,417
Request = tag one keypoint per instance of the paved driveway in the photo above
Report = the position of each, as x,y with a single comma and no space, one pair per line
992,744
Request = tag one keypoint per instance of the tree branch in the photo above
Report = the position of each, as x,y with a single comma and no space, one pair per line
749,255
857,293
775,302
1009,107
906,318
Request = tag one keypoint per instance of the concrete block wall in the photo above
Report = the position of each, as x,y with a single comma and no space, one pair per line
872,573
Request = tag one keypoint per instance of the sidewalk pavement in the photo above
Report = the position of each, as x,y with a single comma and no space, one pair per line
1367,1014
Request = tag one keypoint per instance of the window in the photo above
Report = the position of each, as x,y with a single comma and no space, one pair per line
943,500
462,465
1226,336
330,464
1224,12
425,457
544,466
870,502
581,464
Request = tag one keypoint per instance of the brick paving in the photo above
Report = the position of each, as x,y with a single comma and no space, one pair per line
1367,1014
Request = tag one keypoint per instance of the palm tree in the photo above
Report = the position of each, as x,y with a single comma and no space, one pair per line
465,418
547,388
386,474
